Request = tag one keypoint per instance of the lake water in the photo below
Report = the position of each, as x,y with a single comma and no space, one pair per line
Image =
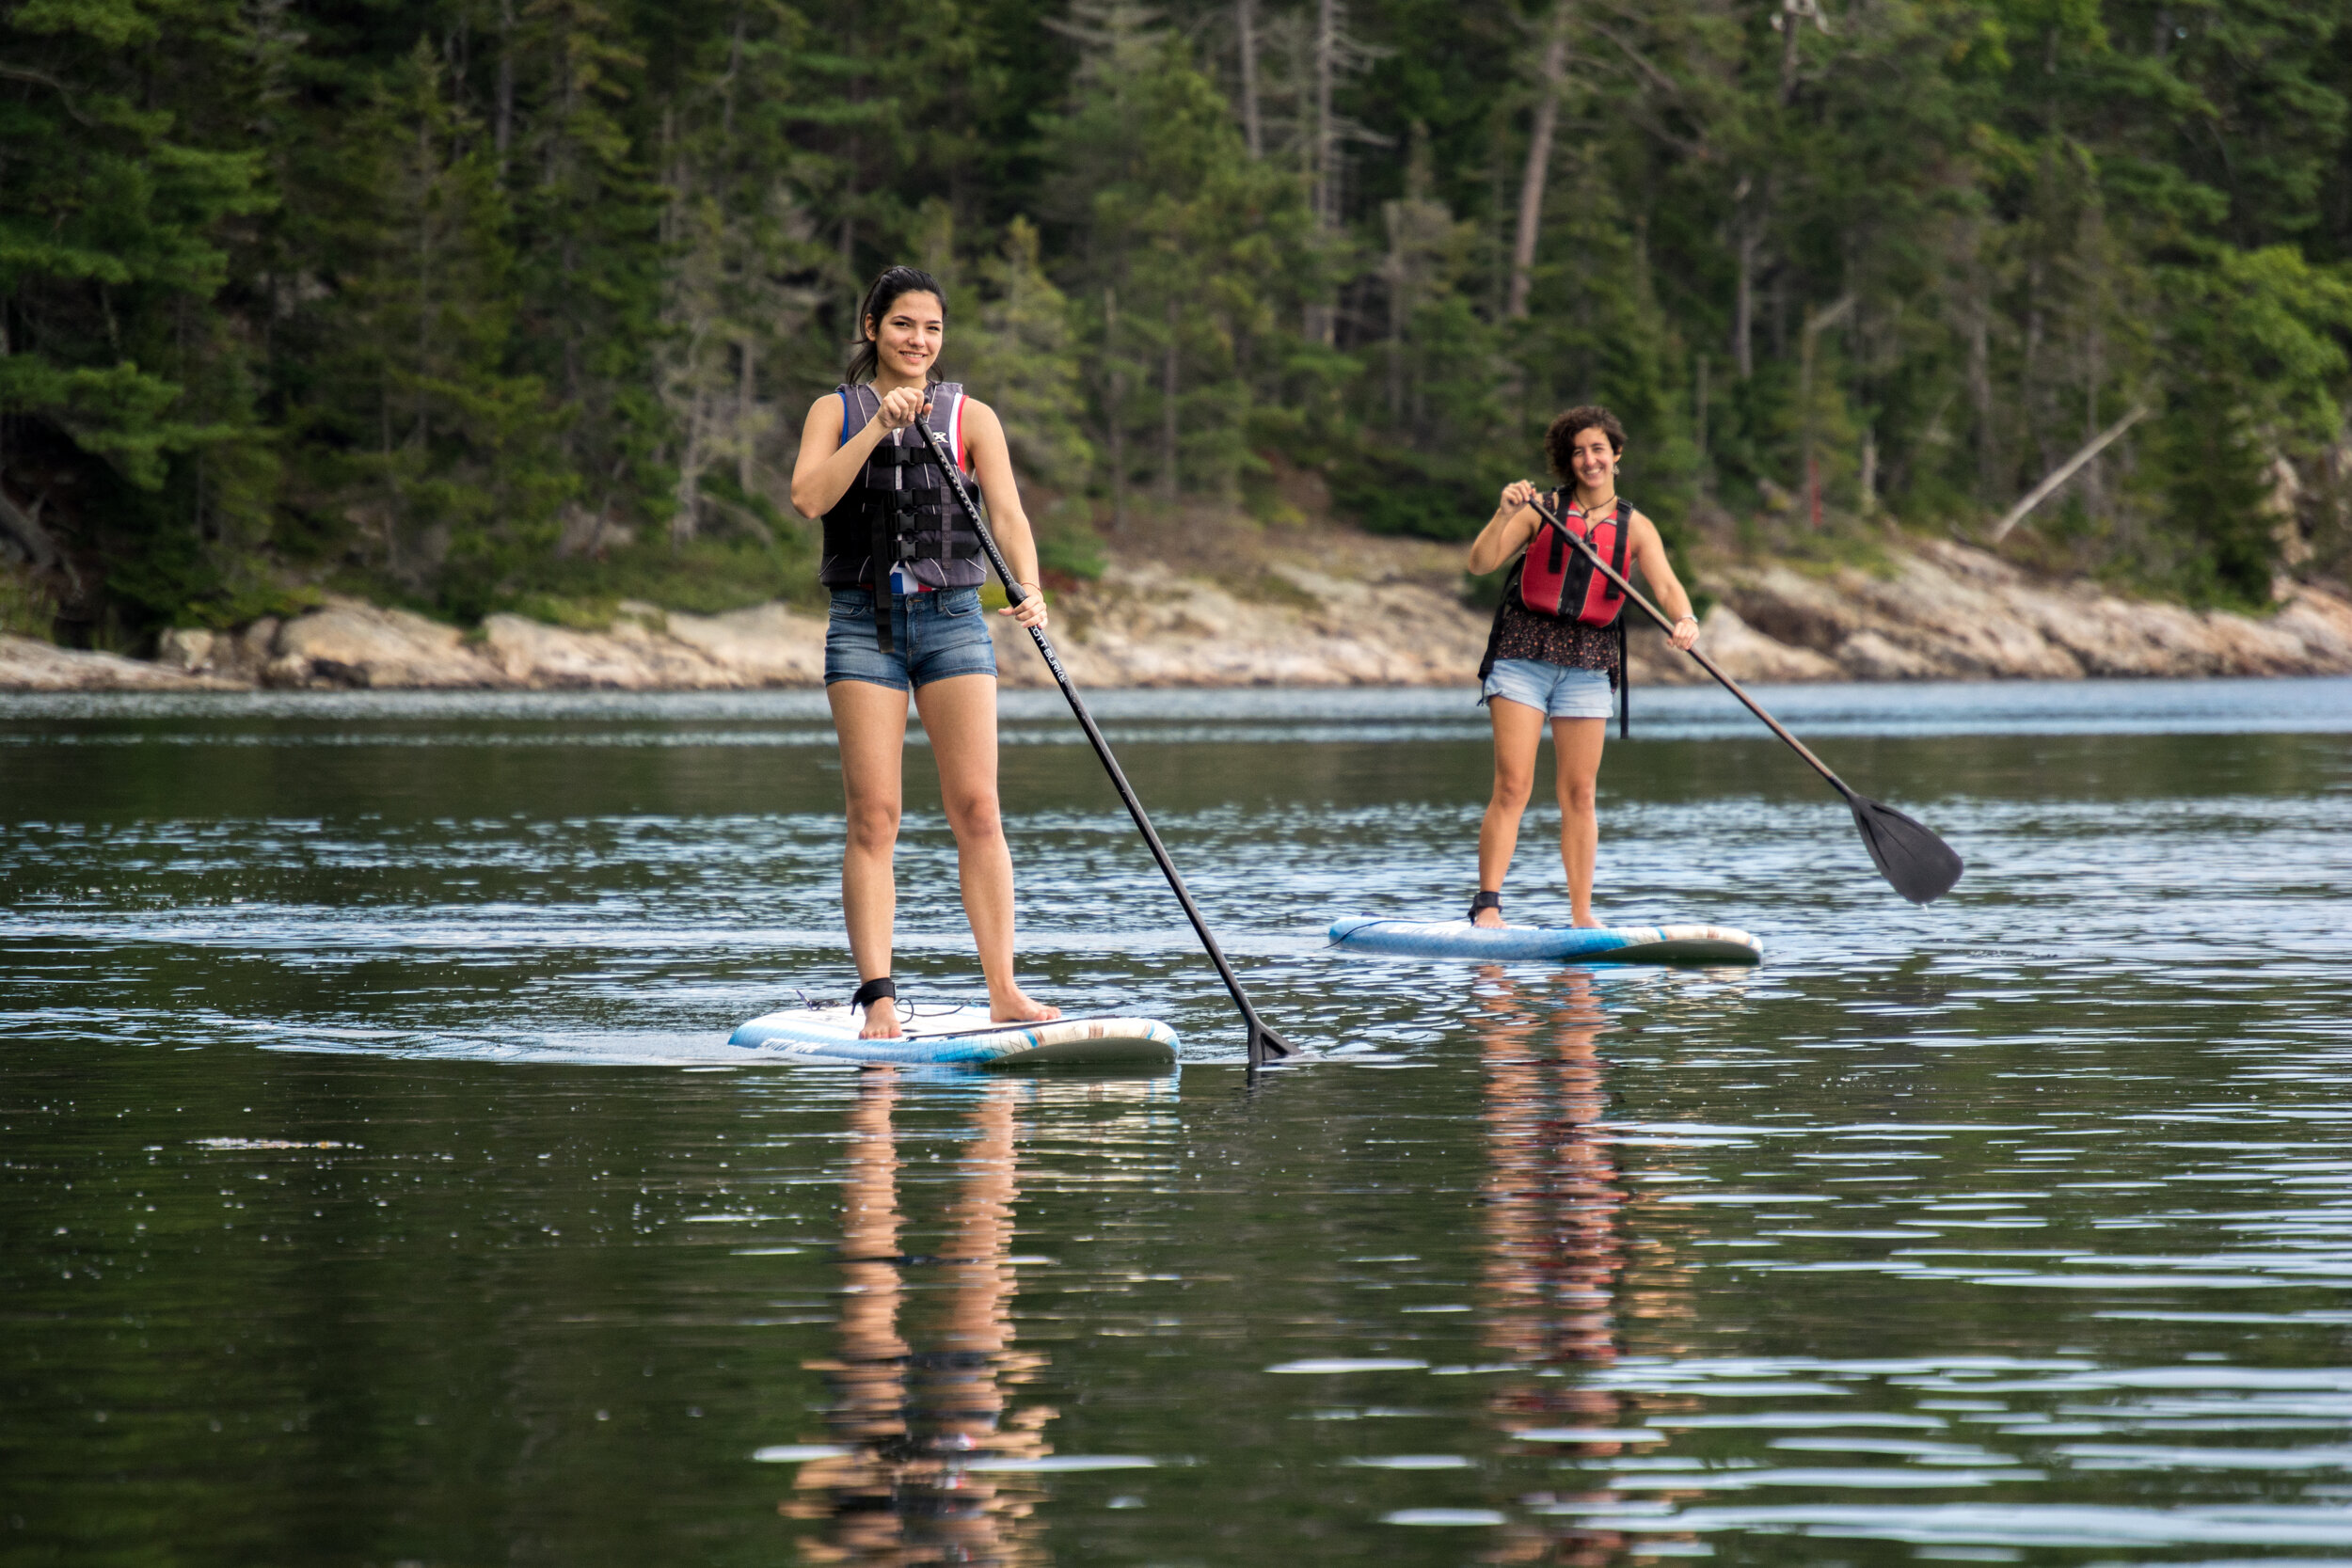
377,1188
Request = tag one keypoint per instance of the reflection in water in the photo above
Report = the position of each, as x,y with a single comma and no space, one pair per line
912,1411
1552,1248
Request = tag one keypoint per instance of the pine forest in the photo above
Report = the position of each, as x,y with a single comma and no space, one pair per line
472,304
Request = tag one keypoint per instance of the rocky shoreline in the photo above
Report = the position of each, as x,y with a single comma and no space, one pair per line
1940,611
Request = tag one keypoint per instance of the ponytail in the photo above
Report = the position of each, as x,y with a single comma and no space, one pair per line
864,354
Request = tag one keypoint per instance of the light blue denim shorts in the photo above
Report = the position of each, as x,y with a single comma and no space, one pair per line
1554,691
933,636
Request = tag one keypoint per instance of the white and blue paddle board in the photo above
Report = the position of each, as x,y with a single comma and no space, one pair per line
1592,945
965,1036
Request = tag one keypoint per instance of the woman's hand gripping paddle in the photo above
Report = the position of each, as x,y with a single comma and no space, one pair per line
1264,1044
1919,866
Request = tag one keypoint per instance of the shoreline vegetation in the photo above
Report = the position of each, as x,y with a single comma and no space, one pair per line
1326,608
508,316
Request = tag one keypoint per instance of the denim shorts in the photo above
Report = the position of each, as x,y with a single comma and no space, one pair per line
1555,690
934,637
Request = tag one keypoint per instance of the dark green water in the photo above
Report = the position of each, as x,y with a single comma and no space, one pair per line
375,1186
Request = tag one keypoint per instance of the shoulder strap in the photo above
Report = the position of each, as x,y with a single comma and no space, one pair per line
859,402
1625,535
1624,682
947,417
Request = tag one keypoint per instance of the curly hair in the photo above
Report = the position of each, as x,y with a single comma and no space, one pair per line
863,354
1560,440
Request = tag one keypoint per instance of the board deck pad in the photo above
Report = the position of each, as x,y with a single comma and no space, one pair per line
1617,945
957,1035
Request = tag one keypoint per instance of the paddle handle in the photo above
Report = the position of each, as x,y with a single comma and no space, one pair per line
1264,1042
1705,663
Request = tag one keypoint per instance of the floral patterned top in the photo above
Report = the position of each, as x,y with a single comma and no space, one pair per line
1521,633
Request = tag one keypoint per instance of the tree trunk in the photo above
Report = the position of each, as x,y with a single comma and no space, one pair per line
1749,242
1323,156
24,526
2094,486
1980,388
1790,14
1538,171
1246,33
848,226
1699,432
1818,322
503,131
426,180
1324,190
689,475
746,388
1113,414
2030,373
1167,410
2064,471
1397,306
734,69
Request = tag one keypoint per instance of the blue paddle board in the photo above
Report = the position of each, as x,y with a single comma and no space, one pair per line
957,1035
1604,944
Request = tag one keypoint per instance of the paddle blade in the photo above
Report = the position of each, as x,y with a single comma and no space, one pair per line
1264,1044
1921,867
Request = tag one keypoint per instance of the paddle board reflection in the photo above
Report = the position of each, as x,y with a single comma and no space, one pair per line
1554,1253
921,1385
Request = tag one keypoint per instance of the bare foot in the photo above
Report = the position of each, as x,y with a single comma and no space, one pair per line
1588,922
882,1021
1016,1007
1489,918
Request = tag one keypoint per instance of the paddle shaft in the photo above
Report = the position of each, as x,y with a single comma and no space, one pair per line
1704,662
1262,1040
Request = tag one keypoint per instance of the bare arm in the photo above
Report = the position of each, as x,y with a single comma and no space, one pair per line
1508,532
991,460
828,466
1649,556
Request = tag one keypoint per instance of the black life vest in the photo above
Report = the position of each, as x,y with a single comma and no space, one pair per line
899,508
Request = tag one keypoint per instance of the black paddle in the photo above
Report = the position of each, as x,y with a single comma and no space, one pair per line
1264,1042
1919,866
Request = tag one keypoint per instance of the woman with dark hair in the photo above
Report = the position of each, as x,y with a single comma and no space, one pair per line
1560,668
905,569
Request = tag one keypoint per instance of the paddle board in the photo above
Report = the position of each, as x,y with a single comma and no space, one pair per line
1607,944
960,1035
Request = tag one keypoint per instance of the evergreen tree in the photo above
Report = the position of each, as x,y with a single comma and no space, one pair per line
453,299
127,426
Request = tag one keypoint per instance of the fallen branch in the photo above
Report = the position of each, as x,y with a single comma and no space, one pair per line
39,545
2065,471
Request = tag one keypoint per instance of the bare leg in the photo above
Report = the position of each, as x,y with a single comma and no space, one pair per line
1518,730
871,723
1576,757
959,715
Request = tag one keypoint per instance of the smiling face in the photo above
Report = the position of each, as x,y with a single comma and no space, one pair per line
1593,461
907,337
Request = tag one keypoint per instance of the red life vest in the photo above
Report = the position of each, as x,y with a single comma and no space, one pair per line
1556,578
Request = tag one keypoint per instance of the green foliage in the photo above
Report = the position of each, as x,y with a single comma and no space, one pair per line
2262,338
26,608
1435,497
480,305
1021,349
1066,539
704,576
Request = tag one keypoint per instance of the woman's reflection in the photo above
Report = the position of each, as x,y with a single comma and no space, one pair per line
1552,1247
913,1405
